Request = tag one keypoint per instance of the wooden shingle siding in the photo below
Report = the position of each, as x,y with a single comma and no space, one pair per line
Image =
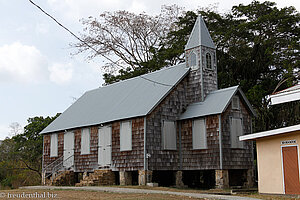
193,91
200,159
209,75
128,160
86,162
46,154
236,158
169,109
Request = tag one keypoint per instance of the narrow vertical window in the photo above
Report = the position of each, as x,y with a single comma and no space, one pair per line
199,134
236,130
208,61
193,60
236,103
125,136
169,135
53,145
85,141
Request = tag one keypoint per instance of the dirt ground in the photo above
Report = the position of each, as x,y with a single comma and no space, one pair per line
89,195
220,191
93,195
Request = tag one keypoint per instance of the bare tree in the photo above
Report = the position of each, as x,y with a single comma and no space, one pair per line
126,38
15,129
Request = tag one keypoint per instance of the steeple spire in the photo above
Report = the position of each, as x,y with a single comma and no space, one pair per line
200,56
200,36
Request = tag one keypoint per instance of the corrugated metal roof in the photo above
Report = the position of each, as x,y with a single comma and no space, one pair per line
215,103
126,99
200,36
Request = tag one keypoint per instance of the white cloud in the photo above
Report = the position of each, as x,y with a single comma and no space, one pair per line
22,63
61,73
75,10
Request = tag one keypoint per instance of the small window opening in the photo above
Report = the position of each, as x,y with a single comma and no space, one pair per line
193,59
208,61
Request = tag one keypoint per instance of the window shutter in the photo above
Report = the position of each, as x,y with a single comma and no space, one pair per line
53,145
236,131
199,134
85,141
169,135
236,103
126,136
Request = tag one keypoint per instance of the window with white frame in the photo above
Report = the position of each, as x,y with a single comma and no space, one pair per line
236,130
54,145
85,141
125,136
235,103
169,135
199,134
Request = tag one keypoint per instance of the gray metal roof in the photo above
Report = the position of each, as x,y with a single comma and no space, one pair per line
215,103
199,36
126,99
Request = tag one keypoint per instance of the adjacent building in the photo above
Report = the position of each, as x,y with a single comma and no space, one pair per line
278,152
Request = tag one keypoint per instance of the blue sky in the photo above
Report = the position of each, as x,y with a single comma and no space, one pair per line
38,75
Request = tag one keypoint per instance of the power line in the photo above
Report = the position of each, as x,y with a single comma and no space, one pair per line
78,38
156,82
73,34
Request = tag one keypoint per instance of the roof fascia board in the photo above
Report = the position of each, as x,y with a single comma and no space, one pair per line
93,124
274,132
285,97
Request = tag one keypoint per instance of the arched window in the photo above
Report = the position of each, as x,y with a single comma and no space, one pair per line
193,59
208,61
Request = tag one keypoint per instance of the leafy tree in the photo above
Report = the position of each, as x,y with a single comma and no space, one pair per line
29,145
21,155
257,48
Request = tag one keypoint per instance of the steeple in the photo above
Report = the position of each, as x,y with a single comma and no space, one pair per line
200,36
200,56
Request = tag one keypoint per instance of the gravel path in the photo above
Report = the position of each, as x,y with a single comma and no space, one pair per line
143,191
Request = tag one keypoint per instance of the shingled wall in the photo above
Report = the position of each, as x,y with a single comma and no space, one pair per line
209,75
46,154
200,159
169,109
128,160
241,158
86,162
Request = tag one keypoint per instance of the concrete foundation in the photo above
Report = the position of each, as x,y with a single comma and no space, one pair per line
125,178
145,177
222,179
179,182
250,179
